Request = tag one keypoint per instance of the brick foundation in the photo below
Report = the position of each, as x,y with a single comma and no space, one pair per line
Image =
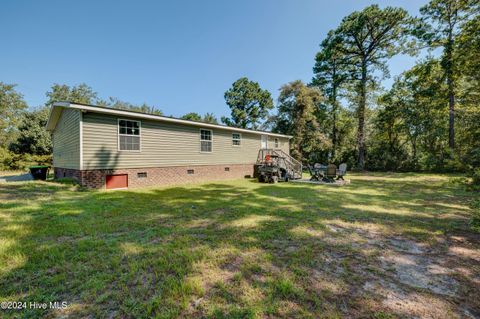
157,176
66,173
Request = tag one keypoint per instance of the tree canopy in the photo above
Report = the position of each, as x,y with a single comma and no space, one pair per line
121,105
33,138
249,104
207,118
298,107
12,107
81,93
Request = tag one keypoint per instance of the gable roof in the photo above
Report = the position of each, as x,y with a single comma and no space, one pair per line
58,107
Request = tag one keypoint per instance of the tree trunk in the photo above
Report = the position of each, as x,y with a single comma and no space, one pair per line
361,116
414,146
451,91
334,131
334,111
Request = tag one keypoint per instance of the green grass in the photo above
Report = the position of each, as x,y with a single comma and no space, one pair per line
230,249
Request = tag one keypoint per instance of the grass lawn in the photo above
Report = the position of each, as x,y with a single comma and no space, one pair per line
385,246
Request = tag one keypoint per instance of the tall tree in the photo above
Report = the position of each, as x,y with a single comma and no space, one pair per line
248,102
297,105
367,39
330,72
33,137
446,18
81,93
11,107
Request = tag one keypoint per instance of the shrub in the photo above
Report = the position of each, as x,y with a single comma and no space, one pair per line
476,178
5,158
13,161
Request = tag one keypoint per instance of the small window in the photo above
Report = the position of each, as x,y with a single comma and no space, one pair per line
190,171
205,141
227,169
276,143
236,139
142,175
128,135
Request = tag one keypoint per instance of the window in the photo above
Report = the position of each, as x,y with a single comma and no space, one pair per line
236,139
205,141
227,169
190,171
142,175
128,135
276,143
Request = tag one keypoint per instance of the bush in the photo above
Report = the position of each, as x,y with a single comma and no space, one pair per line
13,161
5,158
476,178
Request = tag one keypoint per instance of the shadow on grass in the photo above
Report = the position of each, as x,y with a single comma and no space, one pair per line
134,253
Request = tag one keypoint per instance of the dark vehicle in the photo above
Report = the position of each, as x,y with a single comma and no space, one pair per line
274,166
271,171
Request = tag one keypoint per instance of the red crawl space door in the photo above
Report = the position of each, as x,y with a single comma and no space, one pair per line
116,181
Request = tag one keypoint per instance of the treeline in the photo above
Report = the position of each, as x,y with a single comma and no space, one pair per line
428,120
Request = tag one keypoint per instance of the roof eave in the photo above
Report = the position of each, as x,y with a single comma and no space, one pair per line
53,118
54,115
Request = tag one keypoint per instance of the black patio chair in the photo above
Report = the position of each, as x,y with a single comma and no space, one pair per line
330,174
314,176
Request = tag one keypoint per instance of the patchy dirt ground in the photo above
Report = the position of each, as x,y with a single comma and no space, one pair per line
409,278
359,270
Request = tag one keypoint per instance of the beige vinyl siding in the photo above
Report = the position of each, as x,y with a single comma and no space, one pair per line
283,143
66,140
162,144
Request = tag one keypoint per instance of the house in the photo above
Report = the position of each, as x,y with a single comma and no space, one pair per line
109,148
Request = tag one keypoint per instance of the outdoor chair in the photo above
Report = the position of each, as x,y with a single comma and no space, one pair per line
313,174
341,171
331,173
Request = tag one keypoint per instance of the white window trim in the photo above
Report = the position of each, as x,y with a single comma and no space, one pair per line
118,135
239,139
200,137
276,142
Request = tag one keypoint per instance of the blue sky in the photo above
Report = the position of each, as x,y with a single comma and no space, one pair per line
180,56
